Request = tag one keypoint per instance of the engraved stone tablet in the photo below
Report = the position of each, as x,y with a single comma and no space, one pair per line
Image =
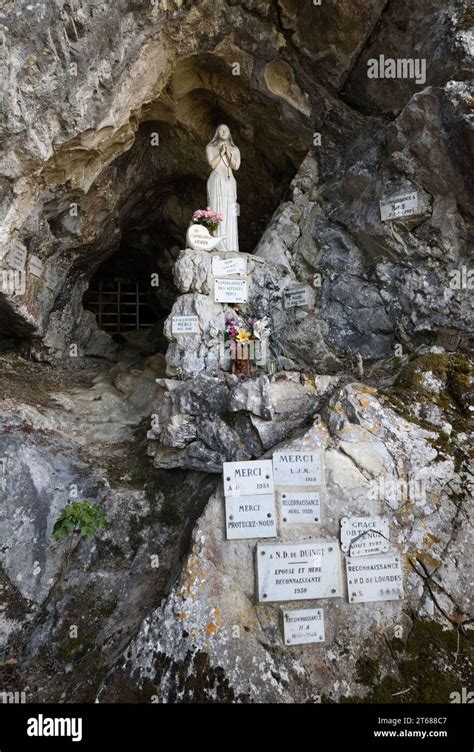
300,507
51,278
399,206
297,296
230,290
250,516
17,256
362,536
35,266
303,626
298,571
184,325
375,578
225,267
248,478
448,339
297,468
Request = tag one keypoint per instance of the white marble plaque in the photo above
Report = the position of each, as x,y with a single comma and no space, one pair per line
297,468
298,571
184,325
250,516
248,478
297,296
374,578
35,266
363,536
17,256
302,626
226,267
230,290
301,507
399,206
51,278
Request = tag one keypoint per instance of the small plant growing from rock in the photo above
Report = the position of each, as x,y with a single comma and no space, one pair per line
84,517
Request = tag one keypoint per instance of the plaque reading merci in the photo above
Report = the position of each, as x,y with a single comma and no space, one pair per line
297,468
248,478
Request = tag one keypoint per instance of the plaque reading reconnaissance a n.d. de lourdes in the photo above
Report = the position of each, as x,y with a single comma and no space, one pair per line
297,468
298,571
374,578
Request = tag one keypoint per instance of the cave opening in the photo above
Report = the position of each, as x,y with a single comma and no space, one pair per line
161,179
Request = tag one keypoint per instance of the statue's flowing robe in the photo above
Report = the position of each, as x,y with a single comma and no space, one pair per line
222,197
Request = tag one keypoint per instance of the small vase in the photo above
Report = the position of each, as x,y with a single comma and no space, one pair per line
241,367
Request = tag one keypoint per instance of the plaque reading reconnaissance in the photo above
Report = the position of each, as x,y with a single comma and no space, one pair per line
303,626
374,578
297,468
298,571
300,507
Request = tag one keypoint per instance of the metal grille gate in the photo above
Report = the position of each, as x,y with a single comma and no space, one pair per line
118,305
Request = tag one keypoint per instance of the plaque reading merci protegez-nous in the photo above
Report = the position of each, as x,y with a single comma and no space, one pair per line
374,578
298,571
303,626
250,516
297,468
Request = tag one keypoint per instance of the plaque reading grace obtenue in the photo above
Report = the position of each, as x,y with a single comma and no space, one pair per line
298,571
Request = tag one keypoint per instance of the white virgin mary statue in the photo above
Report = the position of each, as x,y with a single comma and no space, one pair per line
223,157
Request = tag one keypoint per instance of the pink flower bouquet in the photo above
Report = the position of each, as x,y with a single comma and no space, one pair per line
208,218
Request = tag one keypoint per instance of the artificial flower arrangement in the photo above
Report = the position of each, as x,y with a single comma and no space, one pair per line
242,333
207,217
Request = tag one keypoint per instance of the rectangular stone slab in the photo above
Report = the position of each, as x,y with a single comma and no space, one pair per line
230,290
297,468
303,626
364,536
295,297
35,266
399,206
298,571
248,478
250,516
374,578
299,507
17,256
184,325
228,266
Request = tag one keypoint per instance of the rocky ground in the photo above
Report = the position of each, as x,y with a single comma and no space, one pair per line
186,626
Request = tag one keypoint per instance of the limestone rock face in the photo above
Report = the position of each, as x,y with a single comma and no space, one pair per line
202,422
212,616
